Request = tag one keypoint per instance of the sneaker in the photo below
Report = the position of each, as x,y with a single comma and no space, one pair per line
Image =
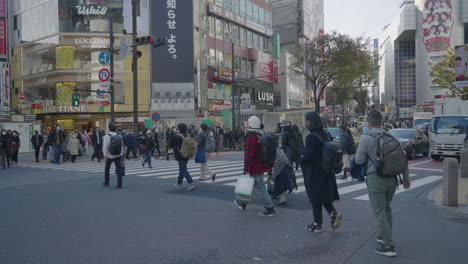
178,186
336,220
282,203
314,228
143,164
268,212
201,180
240,205
386,251
379,240
191,187
105,184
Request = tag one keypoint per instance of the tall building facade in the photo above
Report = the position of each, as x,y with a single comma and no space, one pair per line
56,47
295,21
421,33
214,48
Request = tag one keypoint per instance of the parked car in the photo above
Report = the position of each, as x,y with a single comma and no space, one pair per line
335,133
413,141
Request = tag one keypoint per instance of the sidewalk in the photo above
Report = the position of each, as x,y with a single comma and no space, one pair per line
436,195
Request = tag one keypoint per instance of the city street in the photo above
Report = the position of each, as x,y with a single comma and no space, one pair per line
62,214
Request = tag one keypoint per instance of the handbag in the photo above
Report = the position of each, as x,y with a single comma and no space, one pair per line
244,185
200,157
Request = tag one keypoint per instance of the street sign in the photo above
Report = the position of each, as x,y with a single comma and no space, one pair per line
105,86
104,57
200,113
21,96
104,75
156,117
98,92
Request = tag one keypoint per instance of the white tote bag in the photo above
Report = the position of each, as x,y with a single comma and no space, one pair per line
244,185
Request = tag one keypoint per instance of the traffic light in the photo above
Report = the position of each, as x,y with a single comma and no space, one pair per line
76,99
439,96
144,40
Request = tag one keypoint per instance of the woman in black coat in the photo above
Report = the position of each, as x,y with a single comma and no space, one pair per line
320,185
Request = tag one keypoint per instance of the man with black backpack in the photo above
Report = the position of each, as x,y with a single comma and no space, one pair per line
386,160
113,151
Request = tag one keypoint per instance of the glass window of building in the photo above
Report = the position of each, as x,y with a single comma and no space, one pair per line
219,28
228,60
212,59
211,27
227,29
249,39
242,35
237,60
220,58
235,6
235,32
249,10
243,66
242,4
255,41
220,2
255,13
262,42
261,16
228,4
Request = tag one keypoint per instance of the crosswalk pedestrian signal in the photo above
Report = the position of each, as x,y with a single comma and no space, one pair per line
76,99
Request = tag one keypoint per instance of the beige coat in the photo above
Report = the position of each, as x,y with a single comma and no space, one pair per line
73,146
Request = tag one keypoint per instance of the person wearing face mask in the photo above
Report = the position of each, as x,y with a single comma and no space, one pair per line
5,148
148,146
56,139
157,147
96,140
73,147
37,140
16,146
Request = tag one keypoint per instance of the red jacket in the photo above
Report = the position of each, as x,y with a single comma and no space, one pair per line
252,163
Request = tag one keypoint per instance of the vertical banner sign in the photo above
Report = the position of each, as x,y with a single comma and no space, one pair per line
437,25
5,88
3,8
3,39
276,45
173,63
199,84
461,66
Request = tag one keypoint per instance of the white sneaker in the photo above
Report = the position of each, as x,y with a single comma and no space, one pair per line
178,186
191,187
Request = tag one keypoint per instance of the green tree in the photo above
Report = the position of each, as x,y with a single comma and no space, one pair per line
362,100
443,75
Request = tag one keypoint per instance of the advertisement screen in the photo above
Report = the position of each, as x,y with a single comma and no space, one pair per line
437,24
172,62
461,66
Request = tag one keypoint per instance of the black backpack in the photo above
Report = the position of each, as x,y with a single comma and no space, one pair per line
269,144
115,146
332,156
349,146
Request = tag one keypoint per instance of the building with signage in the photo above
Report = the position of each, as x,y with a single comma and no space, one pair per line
57,46
5,95
295,21
214,48
420,34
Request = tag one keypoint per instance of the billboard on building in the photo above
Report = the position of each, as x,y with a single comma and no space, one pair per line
267,67
5,95
461,66
437,24
3,38
173,62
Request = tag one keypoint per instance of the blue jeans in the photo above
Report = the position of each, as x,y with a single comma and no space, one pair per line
148,156
57,152
261,189
183,172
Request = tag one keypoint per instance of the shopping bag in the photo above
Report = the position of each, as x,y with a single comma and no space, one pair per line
200,157
244,185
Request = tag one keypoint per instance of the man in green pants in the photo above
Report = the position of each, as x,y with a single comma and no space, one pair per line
381,189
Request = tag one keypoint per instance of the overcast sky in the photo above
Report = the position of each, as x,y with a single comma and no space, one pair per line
360,17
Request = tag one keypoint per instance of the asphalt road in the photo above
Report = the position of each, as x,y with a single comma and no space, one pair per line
62,214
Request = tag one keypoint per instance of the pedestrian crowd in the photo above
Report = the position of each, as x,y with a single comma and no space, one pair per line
270,162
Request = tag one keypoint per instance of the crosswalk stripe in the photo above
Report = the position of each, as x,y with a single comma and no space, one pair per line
176,174
225,167
414,185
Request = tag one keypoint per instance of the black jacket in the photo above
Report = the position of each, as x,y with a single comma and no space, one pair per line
6,143
94,139
38,142
321,187
52,137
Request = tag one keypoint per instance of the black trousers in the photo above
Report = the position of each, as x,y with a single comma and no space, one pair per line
97,152
4,157
118,167
37,149
133,150
317,210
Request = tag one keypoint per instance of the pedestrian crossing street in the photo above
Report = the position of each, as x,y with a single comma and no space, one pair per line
227,173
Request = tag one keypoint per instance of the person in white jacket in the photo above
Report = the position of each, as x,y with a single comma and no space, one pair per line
113,151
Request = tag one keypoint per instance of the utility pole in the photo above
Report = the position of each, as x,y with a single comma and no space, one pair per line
111,52
135,66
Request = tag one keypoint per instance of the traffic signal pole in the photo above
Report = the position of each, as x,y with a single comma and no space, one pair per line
111,49
134,66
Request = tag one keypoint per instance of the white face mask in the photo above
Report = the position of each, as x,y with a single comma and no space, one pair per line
58,128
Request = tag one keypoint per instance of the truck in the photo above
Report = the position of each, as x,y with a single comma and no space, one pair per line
420,118
447,134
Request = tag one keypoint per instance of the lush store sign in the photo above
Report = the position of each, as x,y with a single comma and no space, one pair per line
91,7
